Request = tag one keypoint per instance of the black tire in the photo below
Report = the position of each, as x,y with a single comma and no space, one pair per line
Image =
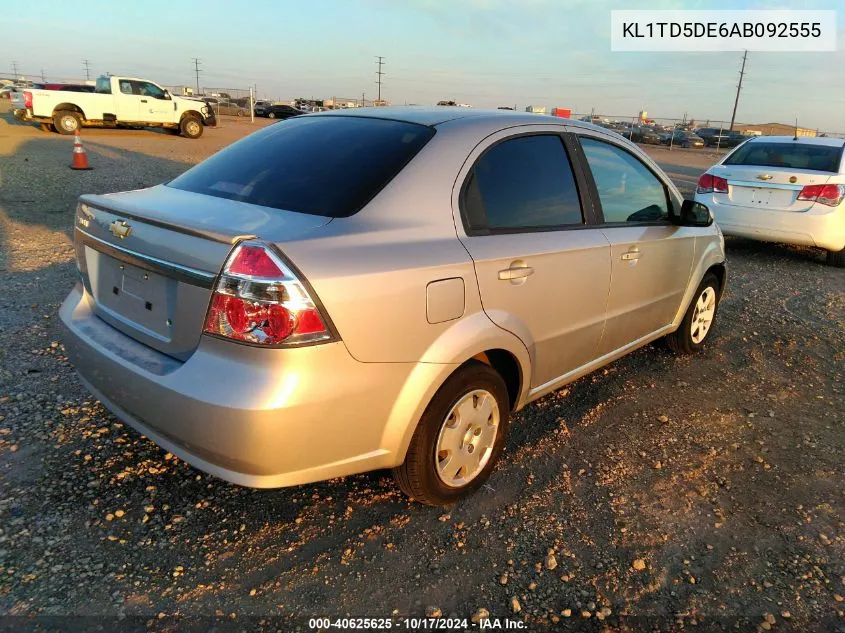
67,121
417,476
191,126
271,115
836,258
681,340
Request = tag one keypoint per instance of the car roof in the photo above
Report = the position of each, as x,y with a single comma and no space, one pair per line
437,115
804,140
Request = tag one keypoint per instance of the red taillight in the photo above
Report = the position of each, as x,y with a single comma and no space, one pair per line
27,99
253,261
708,183
830,195
259,300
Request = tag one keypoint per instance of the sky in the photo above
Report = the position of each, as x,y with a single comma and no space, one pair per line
487,53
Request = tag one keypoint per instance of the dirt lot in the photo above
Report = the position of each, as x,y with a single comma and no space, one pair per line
671,492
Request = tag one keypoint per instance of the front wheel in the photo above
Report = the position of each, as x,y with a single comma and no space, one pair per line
458,439
191,127
698,321
271,115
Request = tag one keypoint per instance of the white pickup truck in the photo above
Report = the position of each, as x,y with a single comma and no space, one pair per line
116,101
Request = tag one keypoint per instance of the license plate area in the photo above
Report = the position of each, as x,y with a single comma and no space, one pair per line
138,297
774,197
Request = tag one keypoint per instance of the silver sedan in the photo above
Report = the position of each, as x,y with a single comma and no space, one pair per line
381,288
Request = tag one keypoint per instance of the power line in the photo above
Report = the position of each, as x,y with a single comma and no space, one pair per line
197,72
87,65
738,88
379,73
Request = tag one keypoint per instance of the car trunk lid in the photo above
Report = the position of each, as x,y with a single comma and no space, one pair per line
149,258
770,188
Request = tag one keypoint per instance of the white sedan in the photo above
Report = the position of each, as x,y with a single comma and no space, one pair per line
781,189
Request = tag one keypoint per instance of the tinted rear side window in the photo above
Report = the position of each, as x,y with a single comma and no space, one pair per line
795,155
523,183
324,165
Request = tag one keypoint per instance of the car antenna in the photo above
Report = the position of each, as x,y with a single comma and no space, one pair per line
795,138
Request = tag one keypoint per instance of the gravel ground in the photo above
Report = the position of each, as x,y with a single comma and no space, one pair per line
657,494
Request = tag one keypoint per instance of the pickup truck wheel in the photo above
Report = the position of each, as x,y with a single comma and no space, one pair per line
698,321
458,439
67,121
191,127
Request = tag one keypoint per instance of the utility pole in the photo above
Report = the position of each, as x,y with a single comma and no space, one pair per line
379,73
738,88
197,72
87,65
43,77
363,103
15,70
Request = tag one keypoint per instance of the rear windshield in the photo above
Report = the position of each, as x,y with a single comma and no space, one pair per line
322,165
791,155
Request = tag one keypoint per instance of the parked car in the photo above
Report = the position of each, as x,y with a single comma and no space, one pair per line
6,92
230,109
682,138
781,189
261,107
282,111
732,139
300,306
116,100
68,87
645,135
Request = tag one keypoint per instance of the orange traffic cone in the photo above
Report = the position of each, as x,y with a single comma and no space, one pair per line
80,158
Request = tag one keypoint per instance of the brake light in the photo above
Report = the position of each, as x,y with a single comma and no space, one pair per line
259,300
708,183
27,99
830,195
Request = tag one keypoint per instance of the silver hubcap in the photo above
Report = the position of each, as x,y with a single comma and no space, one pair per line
702,316
193,127
466,438
70,123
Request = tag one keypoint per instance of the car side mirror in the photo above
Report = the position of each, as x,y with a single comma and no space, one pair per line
166,95
695,214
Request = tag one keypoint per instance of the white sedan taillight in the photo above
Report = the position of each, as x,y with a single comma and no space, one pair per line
259,300
709,183
830,195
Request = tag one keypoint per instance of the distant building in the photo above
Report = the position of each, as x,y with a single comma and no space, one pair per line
773,129
536,109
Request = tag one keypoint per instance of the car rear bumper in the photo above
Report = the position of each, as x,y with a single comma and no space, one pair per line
262,418
823,227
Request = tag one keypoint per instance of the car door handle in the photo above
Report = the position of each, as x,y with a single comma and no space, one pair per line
515,272
143,100
632,254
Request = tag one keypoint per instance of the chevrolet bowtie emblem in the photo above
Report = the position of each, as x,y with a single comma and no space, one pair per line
120,228
764,177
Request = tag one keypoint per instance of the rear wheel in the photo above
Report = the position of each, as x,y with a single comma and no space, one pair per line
458,439
271,115
67,121
191,126
836,258
698,321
